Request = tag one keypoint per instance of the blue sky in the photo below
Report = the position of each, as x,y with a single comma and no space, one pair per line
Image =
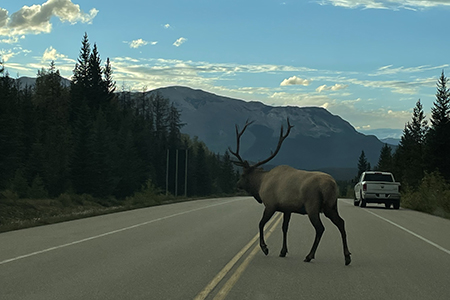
367,61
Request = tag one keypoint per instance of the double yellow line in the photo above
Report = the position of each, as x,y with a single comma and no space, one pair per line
226,288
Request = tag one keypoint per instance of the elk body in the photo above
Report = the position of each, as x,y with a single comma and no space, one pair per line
289,190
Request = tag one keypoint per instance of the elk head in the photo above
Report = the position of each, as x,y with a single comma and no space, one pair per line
250,179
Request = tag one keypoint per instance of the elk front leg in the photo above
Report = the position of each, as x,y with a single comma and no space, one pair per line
286,219
268,213
315,221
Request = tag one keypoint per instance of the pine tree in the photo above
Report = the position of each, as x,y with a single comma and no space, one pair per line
175,125
98,94
438,137
363,165
110,84
409,157
52,106
202,175
80,79
385,162
11,148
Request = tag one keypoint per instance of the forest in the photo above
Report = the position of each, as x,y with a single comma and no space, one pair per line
85,140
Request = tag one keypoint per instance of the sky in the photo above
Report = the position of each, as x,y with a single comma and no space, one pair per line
368,61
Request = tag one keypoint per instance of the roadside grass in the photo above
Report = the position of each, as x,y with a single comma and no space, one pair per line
19,213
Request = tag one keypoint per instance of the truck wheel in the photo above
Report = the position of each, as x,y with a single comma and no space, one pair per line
356,201
397,204
363,201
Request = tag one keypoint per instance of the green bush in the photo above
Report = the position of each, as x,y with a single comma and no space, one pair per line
432,195
147,196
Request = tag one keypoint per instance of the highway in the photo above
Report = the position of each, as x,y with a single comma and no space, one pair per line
207,249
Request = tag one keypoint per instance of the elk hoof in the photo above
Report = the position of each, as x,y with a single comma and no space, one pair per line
283,253
308,258
348,260
265,249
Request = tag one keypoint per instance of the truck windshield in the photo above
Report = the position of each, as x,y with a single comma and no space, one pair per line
378,177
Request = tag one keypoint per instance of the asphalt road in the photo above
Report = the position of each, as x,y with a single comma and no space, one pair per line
207,249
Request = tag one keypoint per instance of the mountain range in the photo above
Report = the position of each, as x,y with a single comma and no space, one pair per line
319,140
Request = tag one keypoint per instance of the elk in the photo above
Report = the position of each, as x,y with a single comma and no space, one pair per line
290,190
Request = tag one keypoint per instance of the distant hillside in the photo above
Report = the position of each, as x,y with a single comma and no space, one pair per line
391,141
31,82
318,141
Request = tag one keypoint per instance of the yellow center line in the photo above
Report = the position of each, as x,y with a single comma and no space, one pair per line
207,290
237,274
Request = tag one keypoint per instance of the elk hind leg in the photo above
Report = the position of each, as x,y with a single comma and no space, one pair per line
318,226
286,219
268,213
333,215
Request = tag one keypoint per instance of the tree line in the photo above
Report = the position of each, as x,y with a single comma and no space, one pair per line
421,162
87,138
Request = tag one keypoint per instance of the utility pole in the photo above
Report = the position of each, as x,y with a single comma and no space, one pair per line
176,173
167,174
185,174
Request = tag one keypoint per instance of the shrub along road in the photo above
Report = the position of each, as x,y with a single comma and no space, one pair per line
207,249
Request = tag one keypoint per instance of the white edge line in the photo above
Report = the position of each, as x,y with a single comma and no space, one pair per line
407,230
111,232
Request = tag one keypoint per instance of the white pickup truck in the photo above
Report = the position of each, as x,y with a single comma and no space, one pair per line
377,187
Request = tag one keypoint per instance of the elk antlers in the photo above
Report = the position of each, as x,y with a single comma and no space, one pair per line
244,163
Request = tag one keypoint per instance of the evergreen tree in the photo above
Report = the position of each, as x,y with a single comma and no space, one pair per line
174,124
98,94
80,79
11,125
410,155
202,174
385,162
110,84
160,110
52,106
438,137
363,165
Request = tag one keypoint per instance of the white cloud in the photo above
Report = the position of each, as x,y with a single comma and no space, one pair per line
179,42
167,26
338,87
35,19
294,80
51,54
386,4
138,43
388,70
334,88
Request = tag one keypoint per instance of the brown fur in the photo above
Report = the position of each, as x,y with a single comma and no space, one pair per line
289,190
